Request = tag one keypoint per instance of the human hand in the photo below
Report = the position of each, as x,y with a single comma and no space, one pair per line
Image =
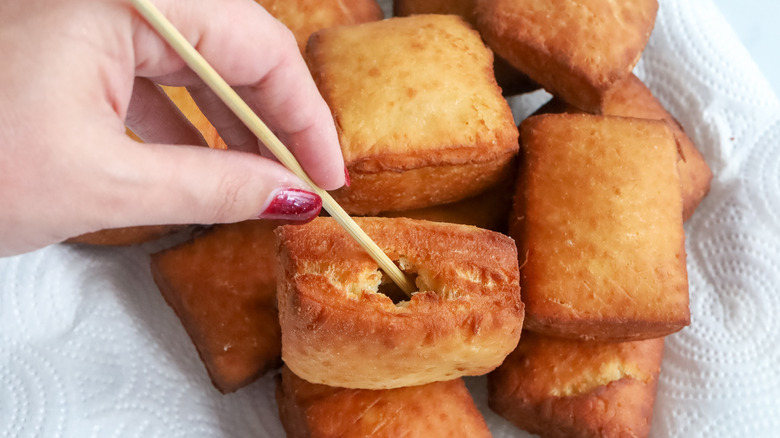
76,71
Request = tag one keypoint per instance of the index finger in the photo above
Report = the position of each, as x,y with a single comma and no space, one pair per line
259,57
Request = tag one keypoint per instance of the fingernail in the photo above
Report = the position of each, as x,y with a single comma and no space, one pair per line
293,205
347,181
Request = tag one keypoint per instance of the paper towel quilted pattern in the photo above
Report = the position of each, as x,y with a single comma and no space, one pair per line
88,348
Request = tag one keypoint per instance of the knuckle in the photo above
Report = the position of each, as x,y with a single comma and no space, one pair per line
229,205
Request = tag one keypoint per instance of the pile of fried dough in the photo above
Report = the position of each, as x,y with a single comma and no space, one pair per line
549,256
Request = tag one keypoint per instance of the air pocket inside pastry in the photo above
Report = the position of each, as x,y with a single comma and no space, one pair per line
339,329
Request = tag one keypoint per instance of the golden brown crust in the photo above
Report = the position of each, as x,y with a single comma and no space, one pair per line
420,117
563,388
304,17
440,409
631,98
338,330
370,193
488,210
222,285
508,78
579,56
598,220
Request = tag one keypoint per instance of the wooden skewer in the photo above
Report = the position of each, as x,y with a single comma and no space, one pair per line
217,84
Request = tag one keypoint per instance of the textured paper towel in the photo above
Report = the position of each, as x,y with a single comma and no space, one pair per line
88,348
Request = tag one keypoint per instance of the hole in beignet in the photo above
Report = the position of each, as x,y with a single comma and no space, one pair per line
391,290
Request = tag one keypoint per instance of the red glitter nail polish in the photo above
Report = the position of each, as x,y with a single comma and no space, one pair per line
293,205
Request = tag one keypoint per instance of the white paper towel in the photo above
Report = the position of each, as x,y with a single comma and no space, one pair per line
88,348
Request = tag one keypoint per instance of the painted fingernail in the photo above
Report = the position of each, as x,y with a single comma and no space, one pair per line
347,181
293,205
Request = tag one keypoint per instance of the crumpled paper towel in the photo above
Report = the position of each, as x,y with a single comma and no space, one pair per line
88,348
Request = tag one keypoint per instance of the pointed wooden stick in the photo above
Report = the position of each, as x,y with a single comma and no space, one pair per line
217,84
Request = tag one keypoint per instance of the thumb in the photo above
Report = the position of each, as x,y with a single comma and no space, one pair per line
162,184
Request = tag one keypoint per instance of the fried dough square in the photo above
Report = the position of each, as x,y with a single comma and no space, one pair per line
222,286
489,210
440,409
508,78
340,326
420,117
598,220
304,17
587,48
632,98
565,388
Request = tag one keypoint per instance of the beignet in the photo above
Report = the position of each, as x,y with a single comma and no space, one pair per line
222,286
420,118
598,221
340,329
587,48
489,209
508,78
439,409
564,388
631,98
304,17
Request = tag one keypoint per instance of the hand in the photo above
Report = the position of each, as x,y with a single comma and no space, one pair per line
76,71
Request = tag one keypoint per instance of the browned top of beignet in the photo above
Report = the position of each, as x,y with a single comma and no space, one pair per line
440,409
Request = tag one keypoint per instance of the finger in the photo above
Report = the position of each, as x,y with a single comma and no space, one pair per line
154,118
264,59
235,134
307,130
148,184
